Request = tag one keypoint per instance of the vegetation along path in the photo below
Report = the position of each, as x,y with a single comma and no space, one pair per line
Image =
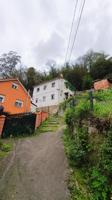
38,170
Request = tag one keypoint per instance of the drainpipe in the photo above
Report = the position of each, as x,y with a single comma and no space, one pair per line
26,108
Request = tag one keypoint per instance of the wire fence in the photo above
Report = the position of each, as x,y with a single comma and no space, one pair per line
98,102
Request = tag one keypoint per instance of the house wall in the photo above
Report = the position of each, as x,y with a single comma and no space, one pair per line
58,91
11,95
103,84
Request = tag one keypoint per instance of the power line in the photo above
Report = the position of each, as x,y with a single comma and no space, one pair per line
77,28
75,8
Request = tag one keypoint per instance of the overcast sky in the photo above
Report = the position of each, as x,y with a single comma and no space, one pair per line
38,29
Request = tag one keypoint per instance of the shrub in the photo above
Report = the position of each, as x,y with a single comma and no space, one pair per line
99,185
70,119
77,114
82,110
77,148
106,155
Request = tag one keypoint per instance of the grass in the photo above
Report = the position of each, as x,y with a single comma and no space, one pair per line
5,147
78,186
103,104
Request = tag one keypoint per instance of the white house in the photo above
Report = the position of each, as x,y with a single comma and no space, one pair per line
48,95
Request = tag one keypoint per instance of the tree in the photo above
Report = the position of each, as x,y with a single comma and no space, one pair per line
87,82
53,72
101,68
8,63
74,74
90,58
33,78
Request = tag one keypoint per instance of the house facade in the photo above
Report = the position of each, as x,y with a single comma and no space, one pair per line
49,95
14,98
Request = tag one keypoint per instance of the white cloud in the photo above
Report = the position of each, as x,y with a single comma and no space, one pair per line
38,29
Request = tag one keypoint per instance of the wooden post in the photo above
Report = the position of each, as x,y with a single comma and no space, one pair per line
91,100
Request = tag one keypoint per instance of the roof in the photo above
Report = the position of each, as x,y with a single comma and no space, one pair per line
15,79
44,82
9,79
33,104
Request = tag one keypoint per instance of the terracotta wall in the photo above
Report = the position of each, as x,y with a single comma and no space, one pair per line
104,84
2,121
41,116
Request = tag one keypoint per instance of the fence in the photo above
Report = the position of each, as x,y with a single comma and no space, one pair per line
21,124
98,102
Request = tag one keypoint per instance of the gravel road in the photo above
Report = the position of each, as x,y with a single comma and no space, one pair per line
36,170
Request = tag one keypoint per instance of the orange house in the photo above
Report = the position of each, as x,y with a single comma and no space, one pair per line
14,97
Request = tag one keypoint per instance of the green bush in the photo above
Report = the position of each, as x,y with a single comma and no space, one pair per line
70,119
76,114
77,148
94,158
99,185
106,155
82,110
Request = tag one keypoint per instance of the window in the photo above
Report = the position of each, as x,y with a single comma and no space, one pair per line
1,99
53,84
45,86
36,100
14,86
18,103
44,98
38,89
61,93
52,96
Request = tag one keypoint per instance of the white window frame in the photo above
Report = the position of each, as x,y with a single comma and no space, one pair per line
19,102
52,96
45,86
3,98
44,98
38,89
53,84
14,86
36,101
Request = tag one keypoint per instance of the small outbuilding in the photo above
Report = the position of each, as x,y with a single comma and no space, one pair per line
103,84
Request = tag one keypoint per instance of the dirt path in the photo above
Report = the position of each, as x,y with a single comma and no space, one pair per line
38,171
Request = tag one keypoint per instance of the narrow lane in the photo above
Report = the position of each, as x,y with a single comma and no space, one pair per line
38,171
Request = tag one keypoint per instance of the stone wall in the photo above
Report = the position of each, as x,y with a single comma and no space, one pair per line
50,109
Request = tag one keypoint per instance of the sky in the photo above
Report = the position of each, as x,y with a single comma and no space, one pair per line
38,30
